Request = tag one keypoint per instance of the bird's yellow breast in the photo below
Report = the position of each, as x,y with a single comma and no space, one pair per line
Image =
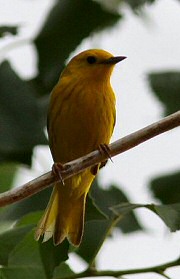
82,118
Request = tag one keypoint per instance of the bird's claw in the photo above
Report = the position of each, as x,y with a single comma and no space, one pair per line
104,149
57,168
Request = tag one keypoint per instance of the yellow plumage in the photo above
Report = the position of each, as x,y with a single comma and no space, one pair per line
81,118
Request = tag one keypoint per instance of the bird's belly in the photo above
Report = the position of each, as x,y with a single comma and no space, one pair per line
80,127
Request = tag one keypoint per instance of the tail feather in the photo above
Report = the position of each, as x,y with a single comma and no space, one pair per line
46,225
70,223
62,218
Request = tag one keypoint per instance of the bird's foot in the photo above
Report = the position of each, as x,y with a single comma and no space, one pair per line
57,170
104,149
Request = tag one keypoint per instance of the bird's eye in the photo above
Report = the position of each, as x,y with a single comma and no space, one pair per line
91,59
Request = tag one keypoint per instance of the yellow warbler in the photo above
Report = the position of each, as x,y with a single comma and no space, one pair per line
81,118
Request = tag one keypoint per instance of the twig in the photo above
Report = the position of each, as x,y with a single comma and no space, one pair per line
91,159
159,269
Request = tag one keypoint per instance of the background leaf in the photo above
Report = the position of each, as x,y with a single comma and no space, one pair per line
166,86
6,30
92,211
20,122
21,272
170,213
104,199
167,188
7,174
136,4
95,233
63,270
68,23
26,254
52,255
9,239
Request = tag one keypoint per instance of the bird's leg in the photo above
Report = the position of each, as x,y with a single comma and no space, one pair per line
57,168
103,149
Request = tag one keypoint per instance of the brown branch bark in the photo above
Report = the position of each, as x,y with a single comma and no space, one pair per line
91,159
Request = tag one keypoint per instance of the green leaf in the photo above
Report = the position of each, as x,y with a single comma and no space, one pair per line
63,270
136,4
166,86
20,119
105,199
26,253
95,233
6,30
166,188
52,255
22,272
122,209
92,211
68,23
169,214
41,258
29,219
7,173
8,240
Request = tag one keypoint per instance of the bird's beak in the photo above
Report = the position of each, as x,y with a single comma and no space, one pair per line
113,60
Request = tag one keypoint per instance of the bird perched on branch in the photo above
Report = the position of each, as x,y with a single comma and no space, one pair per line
81,119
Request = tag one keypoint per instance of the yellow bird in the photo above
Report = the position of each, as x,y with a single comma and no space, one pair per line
81,119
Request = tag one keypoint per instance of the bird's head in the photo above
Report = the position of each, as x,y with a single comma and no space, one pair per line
93,64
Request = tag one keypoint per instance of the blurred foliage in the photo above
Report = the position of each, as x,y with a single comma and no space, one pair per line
166,86
167,188
23,110
106,198
7,174
20,118
169,214
67,24
8,30
136,4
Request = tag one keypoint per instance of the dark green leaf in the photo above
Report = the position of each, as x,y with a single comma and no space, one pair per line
26,253
7,173
167,188
8,240
167,87
95,233
139,3
63,270
124,208
4,30
104,199
170,214
52,255
68,23
92,212
136,4
22,272
20,121
29,219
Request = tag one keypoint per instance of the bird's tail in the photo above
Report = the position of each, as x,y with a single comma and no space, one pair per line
63,217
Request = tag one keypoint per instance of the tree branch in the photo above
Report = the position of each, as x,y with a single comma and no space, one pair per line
91,159
159,269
